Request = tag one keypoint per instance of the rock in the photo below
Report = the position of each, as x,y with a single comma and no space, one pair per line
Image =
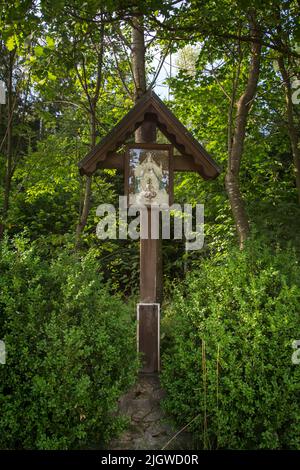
157,429
155,415
140,408
148,428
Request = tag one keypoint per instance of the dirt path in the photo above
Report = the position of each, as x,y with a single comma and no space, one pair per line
149,427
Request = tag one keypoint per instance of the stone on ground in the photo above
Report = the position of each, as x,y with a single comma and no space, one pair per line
149,428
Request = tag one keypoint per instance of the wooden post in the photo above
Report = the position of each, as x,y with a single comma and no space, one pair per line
150,265
148,310
150,249
148,335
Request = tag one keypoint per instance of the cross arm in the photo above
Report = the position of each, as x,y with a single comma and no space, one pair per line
181,163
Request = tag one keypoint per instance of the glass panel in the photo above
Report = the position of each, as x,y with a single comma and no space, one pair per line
148,176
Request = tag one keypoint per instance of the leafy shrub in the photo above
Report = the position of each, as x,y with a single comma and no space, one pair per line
70,351
227,365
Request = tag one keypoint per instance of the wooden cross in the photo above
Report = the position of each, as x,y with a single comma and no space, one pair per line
150,113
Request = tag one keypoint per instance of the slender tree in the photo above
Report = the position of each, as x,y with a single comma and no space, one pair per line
92,98
243,106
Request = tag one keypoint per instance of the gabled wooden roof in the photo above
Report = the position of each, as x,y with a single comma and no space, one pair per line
151,108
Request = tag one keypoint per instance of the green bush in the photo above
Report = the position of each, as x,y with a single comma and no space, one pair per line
227,365
70,351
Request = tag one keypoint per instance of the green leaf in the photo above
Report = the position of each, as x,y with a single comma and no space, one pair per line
11,43
50,42
51,76
39,51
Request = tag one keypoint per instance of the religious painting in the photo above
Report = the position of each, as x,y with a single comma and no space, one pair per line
149,174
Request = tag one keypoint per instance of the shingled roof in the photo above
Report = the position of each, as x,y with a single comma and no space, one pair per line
151,108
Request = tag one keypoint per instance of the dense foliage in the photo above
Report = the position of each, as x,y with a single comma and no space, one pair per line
70,351
227,365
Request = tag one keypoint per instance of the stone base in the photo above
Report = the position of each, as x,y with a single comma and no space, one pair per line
148,428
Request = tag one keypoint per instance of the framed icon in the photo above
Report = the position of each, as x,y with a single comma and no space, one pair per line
149,174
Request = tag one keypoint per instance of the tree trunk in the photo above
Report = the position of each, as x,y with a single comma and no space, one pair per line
8,172
88,186
138,58
292,129
93,105
147,132
236,149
